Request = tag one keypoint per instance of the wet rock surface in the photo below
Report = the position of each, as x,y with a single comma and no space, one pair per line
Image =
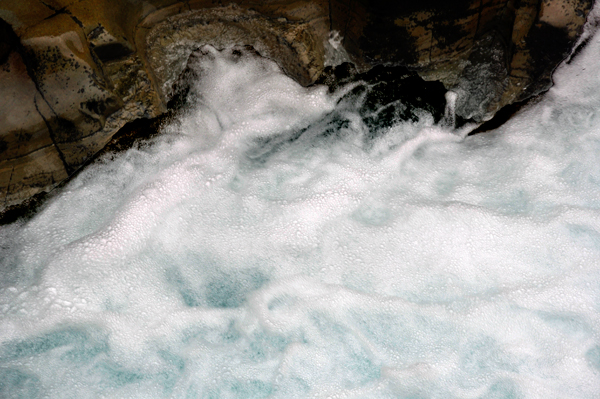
132,134
73,73
385,95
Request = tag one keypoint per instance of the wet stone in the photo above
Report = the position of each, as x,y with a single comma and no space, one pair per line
386,95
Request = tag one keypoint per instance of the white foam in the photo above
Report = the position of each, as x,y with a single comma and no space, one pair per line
245,254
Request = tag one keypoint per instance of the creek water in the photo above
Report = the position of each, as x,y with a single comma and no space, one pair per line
267,245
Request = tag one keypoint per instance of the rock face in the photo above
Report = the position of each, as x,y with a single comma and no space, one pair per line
491,52
385,94
72,73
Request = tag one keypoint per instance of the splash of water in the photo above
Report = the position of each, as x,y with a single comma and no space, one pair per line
450,111
265,245
335,53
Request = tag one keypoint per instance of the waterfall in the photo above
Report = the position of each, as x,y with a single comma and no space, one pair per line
268,244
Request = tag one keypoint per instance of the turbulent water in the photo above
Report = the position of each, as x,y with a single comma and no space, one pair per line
267,244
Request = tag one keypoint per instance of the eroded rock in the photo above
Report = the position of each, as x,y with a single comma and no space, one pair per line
296,47
446,41
72,73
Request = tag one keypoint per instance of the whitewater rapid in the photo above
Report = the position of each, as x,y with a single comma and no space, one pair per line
262,247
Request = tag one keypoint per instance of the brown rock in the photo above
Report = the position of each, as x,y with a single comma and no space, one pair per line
22,128
29,161
293,44
72,73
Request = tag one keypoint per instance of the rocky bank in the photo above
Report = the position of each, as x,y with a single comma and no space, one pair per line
74,72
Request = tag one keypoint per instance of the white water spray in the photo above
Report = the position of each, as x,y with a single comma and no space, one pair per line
335,53
449,120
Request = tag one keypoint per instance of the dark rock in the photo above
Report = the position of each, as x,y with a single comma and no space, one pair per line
387,95
391,21
8,41
112,51
547,45
484,79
